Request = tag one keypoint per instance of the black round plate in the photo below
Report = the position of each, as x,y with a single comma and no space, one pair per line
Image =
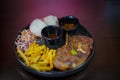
57,73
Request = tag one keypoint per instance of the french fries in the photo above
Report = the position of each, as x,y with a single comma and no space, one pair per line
23,56
38,57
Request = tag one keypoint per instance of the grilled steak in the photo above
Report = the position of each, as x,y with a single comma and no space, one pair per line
65,60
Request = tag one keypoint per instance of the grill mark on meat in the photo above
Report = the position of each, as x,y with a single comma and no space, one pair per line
65,60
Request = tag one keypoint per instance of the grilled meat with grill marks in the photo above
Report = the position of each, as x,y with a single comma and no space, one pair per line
65,60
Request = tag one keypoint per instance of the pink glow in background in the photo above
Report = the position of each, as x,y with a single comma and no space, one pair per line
24,11
19,13
100,17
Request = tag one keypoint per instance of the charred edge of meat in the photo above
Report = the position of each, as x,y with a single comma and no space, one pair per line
65,60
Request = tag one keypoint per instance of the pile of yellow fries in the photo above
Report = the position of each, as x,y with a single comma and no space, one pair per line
38,57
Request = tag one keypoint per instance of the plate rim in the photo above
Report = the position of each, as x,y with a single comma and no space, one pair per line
60,73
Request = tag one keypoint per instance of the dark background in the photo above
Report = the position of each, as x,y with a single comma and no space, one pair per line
100,17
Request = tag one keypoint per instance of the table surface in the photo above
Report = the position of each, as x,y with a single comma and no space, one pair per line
100,17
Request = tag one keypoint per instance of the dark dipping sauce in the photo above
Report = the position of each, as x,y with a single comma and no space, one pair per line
52,35
68,26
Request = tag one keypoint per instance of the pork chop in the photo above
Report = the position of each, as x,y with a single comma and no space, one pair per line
65,60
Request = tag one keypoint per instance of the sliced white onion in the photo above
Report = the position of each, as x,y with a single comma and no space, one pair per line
36,26
51,20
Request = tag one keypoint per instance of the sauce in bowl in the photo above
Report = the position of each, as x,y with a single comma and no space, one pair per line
68,26
69,23
52,35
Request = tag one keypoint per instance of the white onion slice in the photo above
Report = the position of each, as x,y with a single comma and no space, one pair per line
51,20
36,26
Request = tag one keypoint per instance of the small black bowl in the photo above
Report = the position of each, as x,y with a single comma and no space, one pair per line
69,23
52,36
